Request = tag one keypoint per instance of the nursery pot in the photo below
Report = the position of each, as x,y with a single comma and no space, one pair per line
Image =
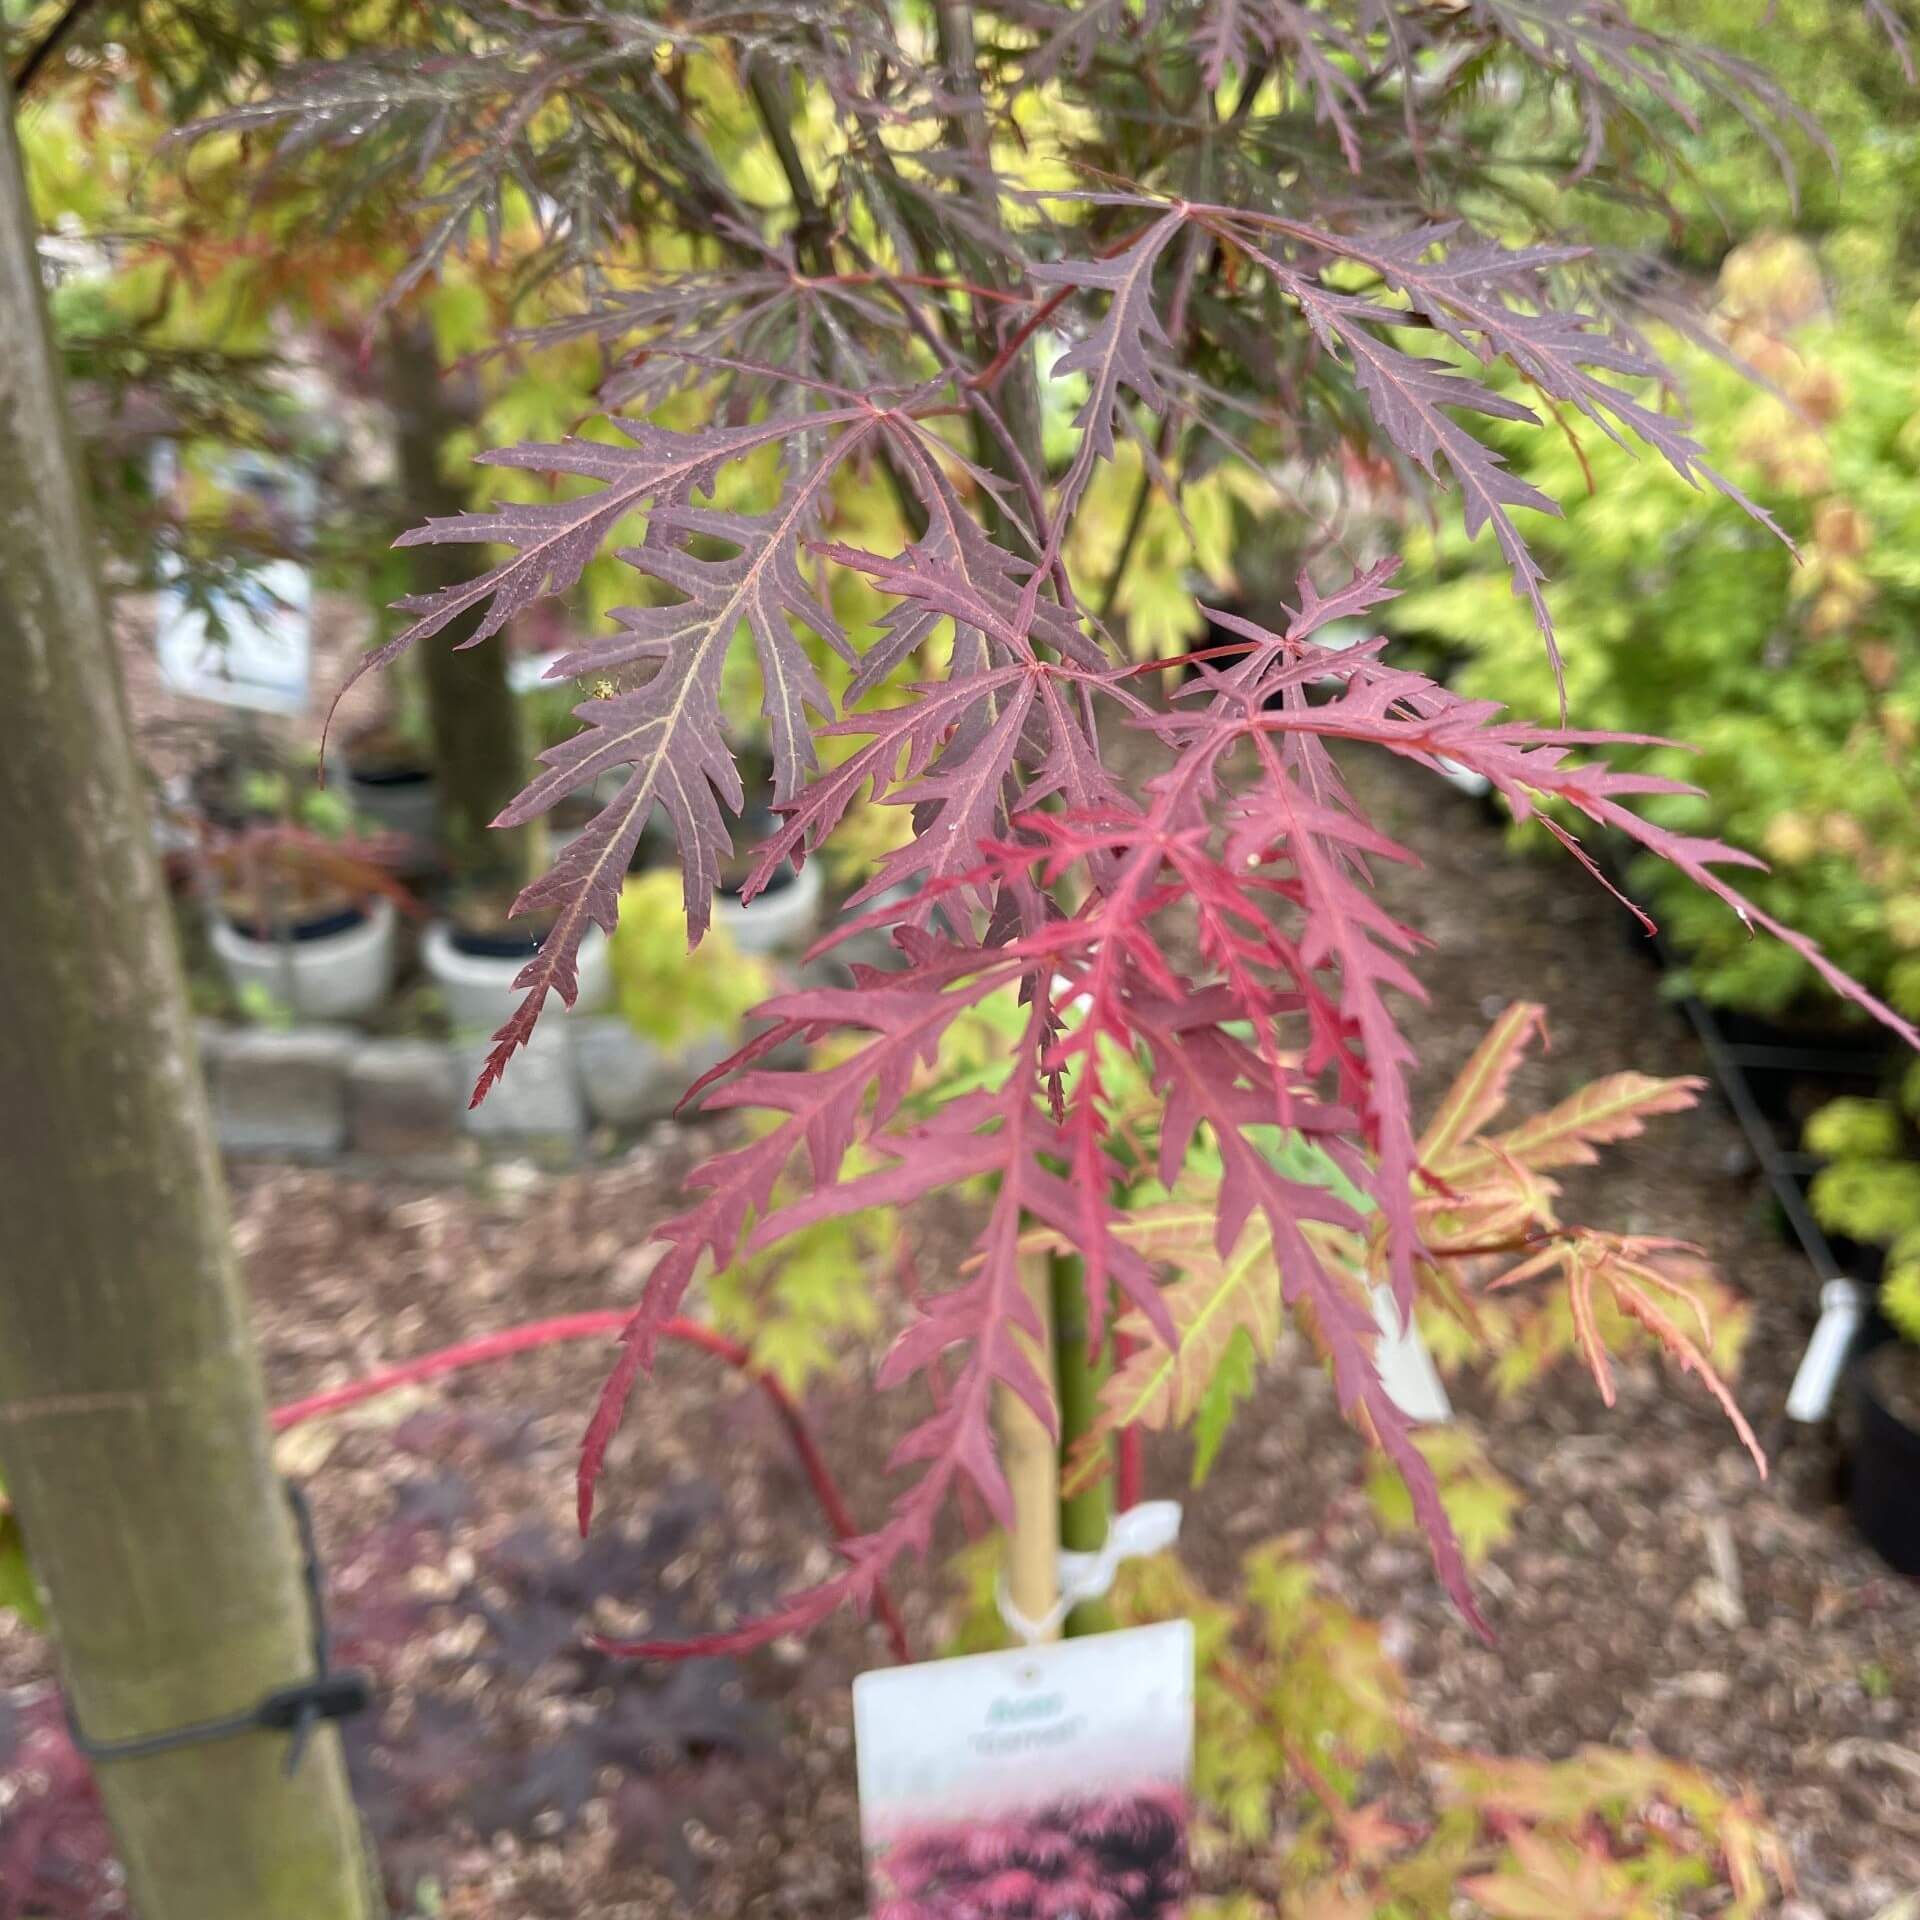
387,788
783,919
1795,1061
336,965
475,971
1884,1493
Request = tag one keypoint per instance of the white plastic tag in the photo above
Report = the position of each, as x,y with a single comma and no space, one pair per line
1149,1528
1405,1366
1039,1784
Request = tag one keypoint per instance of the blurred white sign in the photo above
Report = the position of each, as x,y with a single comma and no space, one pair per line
264,657
258,653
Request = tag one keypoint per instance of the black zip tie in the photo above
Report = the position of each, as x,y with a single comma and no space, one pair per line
296,1710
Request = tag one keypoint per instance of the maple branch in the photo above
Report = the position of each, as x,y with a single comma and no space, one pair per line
597,1325
772,110
1170,434
1007,440
813,242
48,45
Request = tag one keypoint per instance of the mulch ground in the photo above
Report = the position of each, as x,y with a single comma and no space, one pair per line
1656,1592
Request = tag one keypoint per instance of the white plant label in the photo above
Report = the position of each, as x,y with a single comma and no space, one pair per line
1046,1783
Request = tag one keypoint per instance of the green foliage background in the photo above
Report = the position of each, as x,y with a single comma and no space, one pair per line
1791,671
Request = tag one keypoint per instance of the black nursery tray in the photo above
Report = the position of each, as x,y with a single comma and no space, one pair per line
1772,1077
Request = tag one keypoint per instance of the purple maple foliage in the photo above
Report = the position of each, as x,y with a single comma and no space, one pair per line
1275,244
1117,1856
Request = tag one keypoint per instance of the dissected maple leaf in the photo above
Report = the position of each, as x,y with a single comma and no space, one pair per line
1126,349
1480,1089
1279,877
1204,926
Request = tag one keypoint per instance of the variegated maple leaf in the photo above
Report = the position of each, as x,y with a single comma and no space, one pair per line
1486,1225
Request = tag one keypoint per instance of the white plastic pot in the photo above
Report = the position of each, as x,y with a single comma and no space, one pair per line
478,988
410,807
339,976
784,920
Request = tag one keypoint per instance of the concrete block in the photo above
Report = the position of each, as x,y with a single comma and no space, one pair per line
403,1099
282,1092
536,1103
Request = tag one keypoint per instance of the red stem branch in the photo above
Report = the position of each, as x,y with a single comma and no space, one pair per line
589,1326
988,377
1130,1452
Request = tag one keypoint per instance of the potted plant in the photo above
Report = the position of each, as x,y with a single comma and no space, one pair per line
783,916
384,774
475,954
678,1011
304,919
478,950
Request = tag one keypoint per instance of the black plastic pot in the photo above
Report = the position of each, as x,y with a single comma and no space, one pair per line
1797,1065
321,927
390,779
393,791
508,943
1884,1479
778,881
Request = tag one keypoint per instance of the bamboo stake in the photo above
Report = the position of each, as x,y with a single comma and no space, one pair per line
1031,1462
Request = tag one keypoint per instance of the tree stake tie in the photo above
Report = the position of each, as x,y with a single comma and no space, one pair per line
295,1710
1151,1527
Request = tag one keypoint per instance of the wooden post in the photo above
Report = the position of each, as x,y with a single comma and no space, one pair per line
133,1436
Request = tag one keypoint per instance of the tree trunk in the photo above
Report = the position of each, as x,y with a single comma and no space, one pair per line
133,1436
479,756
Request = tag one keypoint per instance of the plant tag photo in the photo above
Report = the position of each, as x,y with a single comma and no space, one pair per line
1045,1783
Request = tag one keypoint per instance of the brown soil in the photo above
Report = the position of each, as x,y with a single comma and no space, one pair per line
262,919
487,913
